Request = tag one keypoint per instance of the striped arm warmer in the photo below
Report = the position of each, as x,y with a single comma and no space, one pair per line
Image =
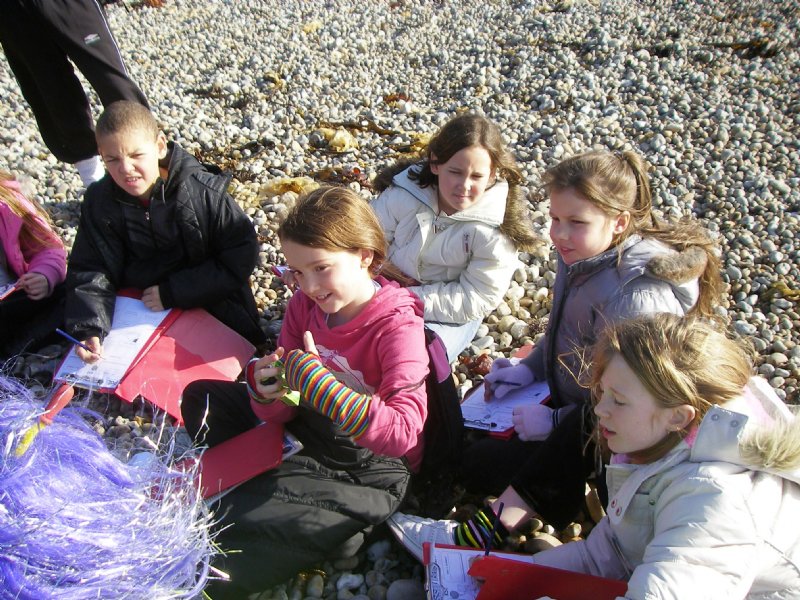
345,407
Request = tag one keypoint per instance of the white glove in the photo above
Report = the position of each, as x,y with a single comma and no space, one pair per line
534,422
505,376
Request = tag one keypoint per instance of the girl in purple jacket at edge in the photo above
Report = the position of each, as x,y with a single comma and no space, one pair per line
33,262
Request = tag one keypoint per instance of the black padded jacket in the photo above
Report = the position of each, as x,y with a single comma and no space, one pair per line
193,241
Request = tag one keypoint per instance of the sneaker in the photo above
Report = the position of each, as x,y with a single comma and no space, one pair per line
413,531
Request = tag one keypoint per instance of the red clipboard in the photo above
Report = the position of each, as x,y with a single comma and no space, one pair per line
504,579
195,345
186,346
238,459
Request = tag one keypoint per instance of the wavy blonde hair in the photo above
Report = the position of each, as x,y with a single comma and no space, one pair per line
680,360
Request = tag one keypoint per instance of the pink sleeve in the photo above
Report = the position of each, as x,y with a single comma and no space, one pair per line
50,262
400,406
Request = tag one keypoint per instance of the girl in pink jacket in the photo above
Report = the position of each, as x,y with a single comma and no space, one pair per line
33,264
352,345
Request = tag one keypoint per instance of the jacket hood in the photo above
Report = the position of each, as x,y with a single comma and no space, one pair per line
11,184
756,430
490,209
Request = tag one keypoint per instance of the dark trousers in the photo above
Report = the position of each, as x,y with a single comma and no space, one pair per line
293,517
25,324
42,39
550,475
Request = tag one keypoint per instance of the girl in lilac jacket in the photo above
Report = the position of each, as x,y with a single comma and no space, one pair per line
32,267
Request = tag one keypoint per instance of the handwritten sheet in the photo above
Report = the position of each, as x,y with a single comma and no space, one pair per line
447,572
495,415
132,327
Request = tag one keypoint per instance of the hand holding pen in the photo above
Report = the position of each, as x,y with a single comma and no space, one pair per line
504,377
89,351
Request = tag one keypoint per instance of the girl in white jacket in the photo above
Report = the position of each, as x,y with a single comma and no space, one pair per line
705,469
454,223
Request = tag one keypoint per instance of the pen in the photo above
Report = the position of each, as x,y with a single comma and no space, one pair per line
74,341
494,529
511,383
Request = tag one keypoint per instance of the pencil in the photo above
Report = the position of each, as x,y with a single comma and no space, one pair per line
494,529
74,341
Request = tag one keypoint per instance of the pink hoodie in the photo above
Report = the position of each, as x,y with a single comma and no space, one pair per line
50,262
382,353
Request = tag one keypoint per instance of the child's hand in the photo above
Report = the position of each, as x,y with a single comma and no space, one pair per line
285,274
265,379
152,298
308,343
506,377
94,355
35,285
534,422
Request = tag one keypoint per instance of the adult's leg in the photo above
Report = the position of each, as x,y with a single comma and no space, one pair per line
215,411
85,35
48,82
299,515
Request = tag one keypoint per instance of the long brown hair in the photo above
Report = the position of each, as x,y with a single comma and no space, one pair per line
36,232
336,218
464,131
618,182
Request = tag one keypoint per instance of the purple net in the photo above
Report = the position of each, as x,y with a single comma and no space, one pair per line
76,522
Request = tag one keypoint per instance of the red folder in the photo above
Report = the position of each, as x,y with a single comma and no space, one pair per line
194,345
505,579
238,459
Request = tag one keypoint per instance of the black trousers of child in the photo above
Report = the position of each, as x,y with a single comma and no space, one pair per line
40,38
303,512
550,475
25,324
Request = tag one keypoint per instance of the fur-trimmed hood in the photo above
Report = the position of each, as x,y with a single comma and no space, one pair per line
760,433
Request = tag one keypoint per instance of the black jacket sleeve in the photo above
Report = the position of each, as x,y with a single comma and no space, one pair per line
94,267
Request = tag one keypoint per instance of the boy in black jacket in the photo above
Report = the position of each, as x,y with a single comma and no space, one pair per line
161,222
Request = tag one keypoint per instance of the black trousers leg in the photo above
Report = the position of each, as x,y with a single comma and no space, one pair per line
299,515
550,475
39,38
215,411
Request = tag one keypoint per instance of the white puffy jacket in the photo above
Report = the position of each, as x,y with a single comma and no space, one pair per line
463,263
701,523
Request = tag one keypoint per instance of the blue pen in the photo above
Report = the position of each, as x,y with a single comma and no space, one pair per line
74,341
490,540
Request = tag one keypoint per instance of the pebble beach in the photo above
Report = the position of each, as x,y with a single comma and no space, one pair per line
285,94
